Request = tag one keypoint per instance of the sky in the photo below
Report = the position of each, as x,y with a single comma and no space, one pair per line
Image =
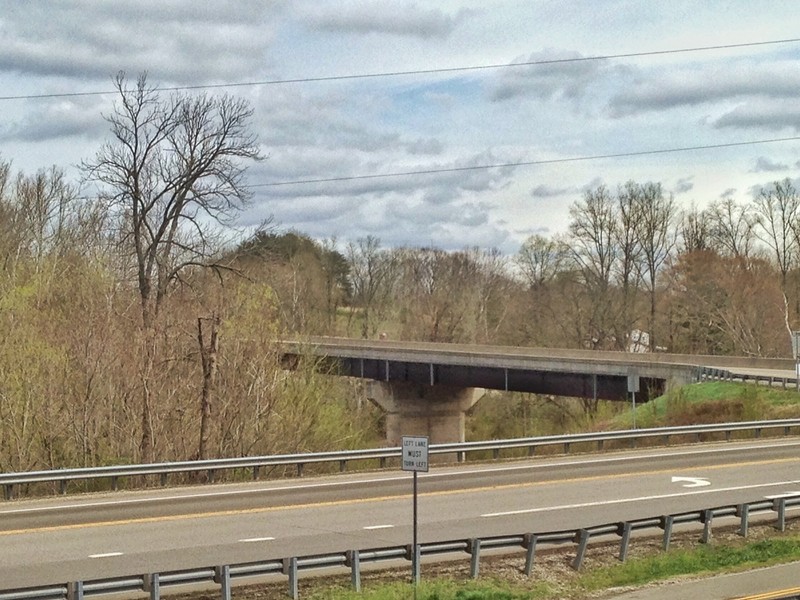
365,92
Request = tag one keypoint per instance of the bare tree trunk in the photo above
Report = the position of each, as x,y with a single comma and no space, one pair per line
146,442
208,358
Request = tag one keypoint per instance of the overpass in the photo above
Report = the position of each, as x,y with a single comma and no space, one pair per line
426,388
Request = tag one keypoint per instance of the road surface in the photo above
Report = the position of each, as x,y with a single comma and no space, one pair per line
63,539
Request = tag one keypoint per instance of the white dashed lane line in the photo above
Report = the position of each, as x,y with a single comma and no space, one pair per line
106,555
379,527
256,539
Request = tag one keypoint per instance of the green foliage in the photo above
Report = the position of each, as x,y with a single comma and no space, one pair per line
703,560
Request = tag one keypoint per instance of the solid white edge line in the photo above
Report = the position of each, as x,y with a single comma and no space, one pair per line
525,511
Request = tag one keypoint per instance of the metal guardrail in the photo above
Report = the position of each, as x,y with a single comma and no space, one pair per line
291,567
11,481
713,374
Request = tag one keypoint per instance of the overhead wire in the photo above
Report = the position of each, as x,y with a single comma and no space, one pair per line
526,163
530,63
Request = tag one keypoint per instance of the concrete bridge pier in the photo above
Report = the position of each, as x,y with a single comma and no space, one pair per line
436,411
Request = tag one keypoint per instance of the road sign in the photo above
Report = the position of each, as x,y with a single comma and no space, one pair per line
415,453
633,382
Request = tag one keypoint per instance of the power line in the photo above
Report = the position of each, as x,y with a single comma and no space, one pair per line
532,63
527,163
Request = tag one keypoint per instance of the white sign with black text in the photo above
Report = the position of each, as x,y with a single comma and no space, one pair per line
415,453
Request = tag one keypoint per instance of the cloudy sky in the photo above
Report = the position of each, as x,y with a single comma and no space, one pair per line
429,107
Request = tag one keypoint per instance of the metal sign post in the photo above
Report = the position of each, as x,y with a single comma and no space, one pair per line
415,459
633,387
796,354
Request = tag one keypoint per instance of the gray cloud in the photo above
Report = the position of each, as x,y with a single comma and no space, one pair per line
658,90
175,40
684,185
551,79
548,191
404,19
773,115
55,119
765,165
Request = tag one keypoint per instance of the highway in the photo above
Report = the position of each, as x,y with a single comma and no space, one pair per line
55,540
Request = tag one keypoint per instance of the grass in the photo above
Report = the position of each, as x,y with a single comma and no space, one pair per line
711,402
703,560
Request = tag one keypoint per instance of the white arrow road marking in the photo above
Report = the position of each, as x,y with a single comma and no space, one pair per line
379,527
784,495
691,482
257,539
106,555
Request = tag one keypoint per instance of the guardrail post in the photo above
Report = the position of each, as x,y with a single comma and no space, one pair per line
583,541
529,543
342,466
566,447
743,512
707,517
255,472
75,590
666,525
779,505
474,549
163,480
625,531
290,569
353,560
531,450
222,576
8,491
62,487
300,469
115,483
152,586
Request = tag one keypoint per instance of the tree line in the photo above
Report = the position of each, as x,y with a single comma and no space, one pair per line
133,331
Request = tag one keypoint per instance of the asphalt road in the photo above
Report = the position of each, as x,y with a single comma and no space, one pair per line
56,540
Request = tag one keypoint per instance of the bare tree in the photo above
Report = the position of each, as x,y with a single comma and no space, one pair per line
656,236
592,227
731,228
629,248
777,210
695,230
371,275
173,165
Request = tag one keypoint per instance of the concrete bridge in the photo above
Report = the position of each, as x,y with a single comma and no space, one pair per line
426,388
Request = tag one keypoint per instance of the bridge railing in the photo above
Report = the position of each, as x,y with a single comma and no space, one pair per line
12,482
224,576
714,374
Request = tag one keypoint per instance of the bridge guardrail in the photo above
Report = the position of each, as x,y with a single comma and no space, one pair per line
10,481
225,575
714,374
